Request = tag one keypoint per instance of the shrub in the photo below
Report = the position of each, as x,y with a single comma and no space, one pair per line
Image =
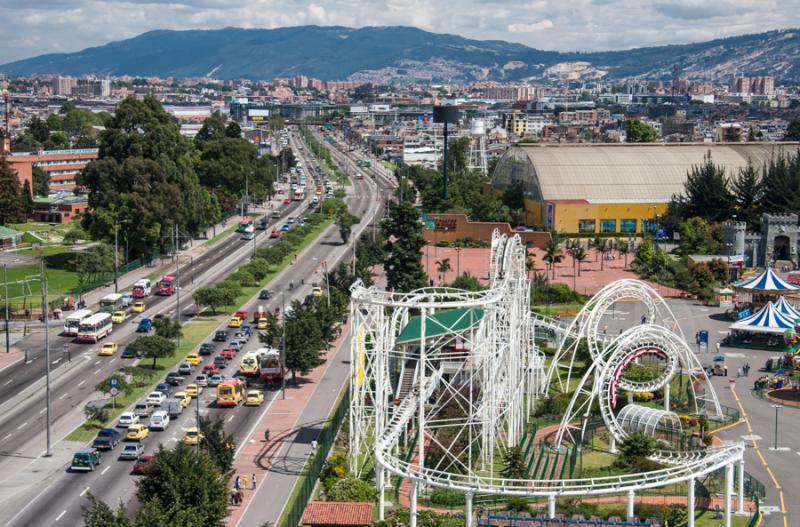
351,489
447,497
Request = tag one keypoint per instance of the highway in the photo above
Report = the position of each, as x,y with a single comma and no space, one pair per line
60,502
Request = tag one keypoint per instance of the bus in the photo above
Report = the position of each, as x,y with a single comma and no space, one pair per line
299,194
231,392
111,303
73,322
142,288
250,363
94,328
166,286
271,365
244,224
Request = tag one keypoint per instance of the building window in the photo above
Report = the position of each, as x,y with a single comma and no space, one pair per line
608,225
649,226
586,225
627,225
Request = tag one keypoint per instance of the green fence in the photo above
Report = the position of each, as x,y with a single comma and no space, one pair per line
308,478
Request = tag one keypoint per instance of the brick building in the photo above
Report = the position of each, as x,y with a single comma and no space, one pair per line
62,165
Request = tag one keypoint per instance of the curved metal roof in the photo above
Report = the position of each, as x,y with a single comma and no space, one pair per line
636,418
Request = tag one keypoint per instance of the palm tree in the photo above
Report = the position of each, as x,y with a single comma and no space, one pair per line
602,246
578,254
530,261
597,241
442,267
553,255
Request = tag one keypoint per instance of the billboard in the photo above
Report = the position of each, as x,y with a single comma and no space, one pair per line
255,112
358,109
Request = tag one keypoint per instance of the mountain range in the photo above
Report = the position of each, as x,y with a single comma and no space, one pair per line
396,53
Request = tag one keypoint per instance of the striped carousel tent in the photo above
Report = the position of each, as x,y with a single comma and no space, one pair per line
768,320
785,308
767,283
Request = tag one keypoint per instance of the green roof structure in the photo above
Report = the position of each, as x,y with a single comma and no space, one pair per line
452,321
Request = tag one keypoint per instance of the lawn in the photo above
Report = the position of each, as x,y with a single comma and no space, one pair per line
194,333
40,227
221,234
60,271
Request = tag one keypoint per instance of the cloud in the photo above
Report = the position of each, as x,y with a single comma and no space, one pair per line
47,26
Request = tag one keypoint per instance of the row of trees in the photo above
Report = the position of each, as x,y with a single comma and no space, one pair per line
70,127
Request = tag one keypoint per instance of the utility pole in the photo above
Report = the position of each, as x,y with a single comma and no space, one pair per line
116,262
283,345
327,282
197,419
5,297
177,283
45,316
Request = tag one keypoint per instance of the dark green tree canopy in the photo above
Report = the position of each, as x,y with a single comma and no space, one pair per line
708,194
637,131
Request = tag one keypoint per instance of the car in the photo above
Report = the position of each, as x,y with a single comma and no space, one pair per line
265,294
228,353
119,317
235,322
275,233
174,378
142,465
155,398
220,336
248,236
127,299
242,336
210,369
275,214
164,388
192,437
127,419
138,307
261,324
287,201
254,398
247,330
129,353
220,361
285,227
290,220
215,380
143,409
302,222
194,359
201,380
159,420
235,344
241,314
193,390
185,368
85,459
108,349
316,291
145,326
207,348
185,399
131,451
106,439
137,432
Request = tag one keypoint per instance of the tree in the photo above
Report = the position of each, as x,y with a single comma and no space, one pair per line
637,131
553,254
98,514
10,191
304,341
122,384
38,129
443,267
793,130
345,222
467,282
213,129
153,347
26,200
635,447
233,130
276,122
213,297
57,141
707,192
403,233
168,328
747,194
700,237
579,256
514,464
351,489
41,182
217,443
781,183
185,482
623,248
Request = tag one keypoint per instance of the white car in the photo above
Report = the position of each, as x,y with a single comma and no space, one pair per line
127,419
201,380
159,420
155,398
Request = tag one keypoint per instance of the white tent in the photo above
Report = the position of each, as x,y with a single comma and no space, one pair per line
768,320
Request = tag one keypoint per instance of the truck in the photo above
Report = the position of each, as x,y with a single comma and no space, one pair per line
166,286
173,407
106,439
258,314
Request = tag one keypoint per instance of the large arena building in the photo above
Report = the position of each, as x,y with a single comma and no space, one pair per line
596,188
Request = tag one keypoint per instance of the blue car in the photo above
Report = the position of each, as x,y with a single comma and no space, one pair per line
246,329
145,326
286,227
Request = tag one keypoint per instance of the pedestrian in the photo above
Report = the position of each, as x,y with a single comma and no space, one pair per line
236,483
239,496
718,345
313,446
725,369
644,319
233,496
605,329
253,480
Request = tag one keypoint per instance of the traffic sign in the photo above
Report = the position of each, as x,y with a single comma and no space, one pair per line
113,392
113,382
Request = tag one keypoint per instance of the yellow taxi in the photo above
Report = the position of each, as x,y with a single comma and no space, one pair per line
138,307
316,291
193,390
193,359
254,398
119,317
262,323
184,398
192,437
235,322
137,432
108,349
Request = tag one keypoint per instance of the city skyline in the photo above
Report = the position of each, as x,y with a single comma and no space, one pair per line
588,25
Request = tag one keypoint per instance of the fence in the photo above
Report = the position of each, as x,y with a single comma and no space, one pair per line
308,479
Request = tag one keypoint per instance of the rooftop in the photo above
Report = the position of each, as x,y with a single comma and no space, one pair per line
337,513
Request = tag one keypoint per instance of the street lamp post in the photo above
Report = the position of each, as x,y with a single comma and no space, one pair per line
45,318
5,298
283,345
116,262
777,407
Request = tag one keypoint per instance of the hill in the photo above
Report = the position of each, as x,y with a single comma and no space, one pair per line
384,54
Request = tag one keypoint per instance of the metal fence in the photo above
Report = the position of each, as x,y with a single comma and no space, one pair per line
313,468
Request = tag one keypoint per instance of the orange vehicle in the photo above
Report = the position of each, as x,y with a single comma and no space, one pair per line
231,392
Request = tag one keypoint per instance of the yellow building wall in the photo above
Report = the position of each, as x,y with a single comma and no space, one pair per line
567,216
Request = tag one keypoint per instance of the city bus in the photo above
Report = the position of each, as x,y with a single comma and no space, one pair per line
94,328
271,365
111,303
231,392
250,363
244,224
73,322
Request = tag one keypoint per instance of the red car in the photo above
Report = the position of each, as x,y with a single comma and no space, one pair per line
275,233
228,353
210,369
287,201
142,464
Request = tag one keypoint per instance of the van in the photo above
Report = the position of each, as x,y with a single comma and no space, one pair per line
142,409
84,460
173,406
159,420
142,288
276,214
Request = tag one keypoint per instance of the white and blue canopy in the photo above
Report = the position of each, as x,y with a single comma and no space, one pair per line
767,282
785,308
768,320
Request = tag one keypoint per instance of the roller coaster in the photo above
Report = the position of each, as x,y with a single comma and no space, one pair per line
444,381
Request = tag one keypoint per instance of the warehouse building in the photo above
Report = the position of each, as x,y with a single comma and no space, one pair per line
612,188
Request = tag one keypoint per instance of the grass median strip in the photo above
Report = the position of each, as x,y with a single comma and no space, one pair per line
194,333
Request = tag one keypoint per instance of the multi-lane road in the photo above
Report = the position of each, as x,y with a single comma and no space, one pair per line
60,502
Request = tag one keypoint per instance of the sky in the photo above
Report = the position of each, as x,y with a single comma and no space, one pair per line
32,28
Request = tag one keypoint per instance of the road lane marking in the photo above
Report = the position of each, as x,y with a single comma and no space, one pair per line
112,361
61,515
43,410
23,425
82,383
97,362
105,470
97,371
231,417
8,382
85,490
64,395
57,361
6,437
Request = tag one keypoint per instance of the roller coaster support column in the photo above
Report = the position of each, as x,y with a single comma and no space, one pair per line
381,500
421,384
666,397
612,445
413,503
468,510
631,500
740,490
690,504
551,506
728,493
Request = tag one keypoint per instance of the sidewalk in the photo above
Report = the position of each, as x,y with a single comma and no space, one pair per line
293,424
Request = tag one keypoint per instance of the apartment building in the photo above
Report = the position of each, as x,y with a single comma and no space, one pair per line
62,165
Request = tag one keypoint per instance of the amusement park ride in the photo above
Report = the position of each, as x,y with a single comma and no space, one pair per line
445,381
